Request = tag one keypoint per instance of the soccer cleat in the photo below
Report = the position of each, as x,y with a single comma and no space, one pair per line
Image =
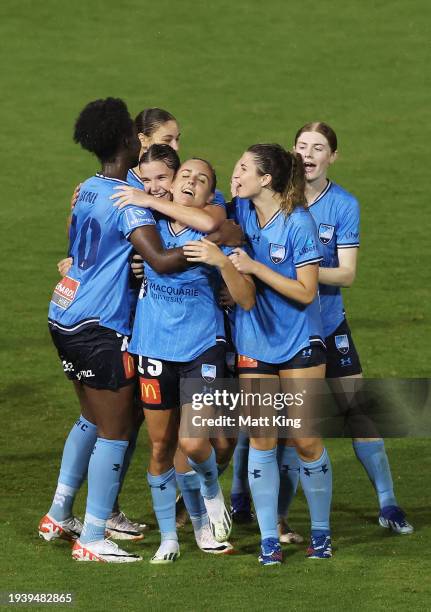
270,552
241,508
320,546
182,516
392,517
119,527
207,543
102,551
287,535
50,529
219,518
168,552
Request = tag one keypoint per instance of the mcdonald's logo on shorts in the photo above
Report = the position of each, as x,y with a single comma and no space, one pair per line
150,391
129,365
246,362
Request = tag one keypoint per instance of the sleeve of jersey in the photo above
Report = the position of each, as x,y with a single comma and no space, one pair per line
219,199
305,249
348,227
131,217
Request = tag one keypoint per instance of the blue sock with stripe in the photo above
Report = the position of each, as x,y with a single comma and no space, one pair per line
164,491
316,482
74,464
240,466
104,472
288,463
264,481
208,475
373,457
190,488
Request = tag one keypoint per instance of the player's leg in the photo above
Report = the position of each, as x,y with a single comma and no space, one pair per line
59,522
343,370
189,485
112,411
240,491
118,525
315,466
288,464
162,426
158,384
209,366
263,472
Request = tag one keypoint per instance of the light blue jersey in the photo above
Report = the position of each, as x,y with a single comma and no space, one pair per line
134,180
177,316
96,288
277,328
336,214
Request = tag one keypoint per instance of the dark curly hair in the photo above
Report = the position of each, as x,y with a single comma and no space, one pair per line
103,126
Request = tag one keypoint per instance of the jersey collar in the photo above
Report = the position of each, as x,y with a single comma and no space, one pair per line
108,178
321,194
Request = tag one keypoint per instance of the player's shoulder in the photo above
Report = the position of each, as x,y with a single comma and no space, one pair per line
301,217
134,180
342,198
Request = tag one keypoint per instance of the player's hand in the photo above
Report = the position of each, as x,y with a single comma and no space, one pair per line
242,262
204,251
224,298
64,265
137,265
126,195
75,196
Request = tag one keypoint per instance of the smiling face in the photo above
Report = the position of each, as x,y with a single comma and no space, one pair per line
157,178
193,184
246,178
316,154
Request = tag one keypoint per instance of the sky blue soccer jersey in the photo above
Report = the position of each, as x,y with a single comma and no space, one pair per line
96,288
277,328
177,316
134,180
336,214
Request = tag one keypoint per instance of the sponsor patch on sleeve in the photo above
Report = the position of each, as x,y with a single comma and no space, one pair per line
65,292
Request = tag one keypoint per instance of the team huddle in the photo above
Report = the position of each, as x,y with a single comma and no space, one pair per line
165,282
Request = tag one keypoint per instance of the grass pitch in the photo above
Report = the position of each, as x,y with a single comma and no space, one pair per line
233,74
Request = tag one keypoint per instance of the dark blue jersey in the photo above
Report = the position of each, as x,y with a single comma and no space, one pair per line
177,316
336,214
277,327
96,288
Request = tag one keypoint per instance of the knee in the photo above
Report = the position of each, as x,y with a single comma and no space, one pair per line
192,447
310,449
162,450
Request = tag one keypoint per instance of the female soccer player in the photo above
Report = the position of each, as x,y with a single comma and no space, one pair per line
336,213
178,333
89,320
158,126
157,167
281,337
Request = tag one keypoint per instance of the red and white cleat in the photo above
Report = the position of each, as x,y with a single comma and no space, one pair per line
50,529
102,551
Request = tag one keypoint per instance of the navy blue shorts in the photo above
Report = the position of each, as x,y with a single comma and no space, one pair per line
96,356
342,356
171,384
313,355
